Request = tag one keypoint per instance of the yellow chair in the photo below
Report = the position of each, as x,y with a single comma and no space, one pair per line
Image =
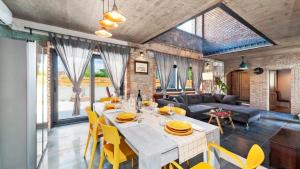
254,159
114,148
94,131
105,99
177,110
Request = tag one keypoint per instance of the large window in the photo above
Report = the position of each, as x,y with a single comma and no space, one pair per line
174,83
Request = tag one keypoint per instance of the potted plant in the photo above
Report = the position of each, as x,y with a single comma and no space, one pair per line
221,86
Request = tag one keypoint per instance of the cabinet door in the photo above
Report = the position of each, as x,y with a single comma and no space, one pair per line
235,83
244,86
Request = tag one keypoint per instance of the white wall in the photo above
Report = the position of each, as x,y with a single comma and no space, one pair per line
14,107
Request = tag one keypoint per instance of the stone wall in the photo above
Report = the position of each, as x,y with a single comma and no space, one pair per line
259,84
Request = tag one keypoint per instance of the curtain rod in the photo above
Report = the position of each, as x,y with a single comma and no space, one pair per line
40,30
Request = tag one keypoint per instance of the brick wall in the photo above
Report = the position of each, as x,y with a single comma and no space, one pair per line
259,84
135,81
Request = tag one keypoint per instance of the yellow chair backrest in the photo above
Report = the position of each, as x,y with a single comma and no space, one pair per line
179,111
93,118
111,135
105,99
228,153
255,157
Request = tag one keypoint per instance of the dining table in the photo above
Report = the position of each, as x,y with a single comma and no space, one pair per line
156,148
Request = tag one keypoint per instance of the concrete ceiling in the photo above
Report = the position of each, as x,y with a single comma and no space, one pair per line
145,18
277,19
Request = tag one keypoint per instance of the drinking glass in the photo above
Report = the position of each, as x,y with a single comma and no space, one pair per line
170,108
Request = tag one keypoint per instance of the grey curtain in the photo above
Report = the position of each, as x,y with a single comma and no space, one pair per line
164,63
75,54
183,66
197,68
115,59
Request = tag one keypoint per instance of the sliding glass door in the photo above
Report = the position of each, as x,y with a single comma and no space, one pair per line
93,87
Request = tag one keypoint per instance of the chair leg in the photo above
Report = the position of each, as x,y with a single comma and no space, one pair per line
132,163
188,163
87,145
116,165
102,157
93,154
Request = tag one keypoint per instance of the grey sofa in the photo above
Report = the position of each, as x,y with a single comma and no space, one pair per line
198,104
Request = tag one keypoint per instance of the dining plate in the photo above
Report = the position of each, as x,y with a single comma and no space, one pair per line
188,132
125,121
126,116
178,131
110,106
179,125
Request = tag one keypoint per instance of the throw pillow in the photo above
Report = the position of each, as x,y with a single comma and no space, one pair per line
219,97
180,99
230,99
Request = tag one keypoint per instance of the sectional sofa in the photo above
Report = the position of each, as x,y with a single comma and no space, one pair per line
197,105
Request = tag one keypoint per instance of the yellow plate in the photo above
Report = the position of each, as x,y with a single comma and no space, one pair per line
146,103
115,100
126,116
178,133
179,125
110,106
124,121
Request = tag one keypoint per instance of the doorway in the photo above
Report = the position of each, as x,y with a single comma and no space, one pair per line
239,84
93,87
280,90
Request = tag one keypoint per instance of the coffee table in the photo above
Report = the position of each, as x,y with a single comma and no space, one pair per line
219,117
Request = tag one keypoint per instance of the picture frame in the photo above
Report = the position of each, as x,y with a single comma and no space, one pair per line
141,67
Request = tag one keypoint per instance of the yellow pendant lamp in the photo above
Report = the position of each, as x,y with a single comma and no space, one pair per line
103,33
115,15
108,24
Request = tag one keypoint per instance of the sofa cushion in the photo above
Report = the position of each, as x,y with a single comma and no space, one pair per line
242,113
208,98
219,97
197,110
194,99
230,99
179,99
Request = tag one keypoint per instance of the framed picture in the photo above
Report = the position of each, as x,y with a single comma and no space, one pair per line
141,67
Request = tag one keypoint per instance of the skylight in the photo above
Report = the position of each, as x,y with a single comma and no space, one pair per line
188,26
219,30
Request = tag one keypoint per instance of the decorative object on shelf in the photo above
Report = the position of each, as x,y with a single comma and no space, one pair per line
243,65
141,67
110,20
222,87
115,15
258,70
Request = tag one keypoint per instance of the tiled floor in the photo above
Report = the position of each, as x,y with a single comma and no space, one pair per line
66,144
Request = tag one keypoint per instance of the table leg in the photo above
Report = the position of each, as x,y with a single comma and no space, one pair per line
219,125
231,122
209,121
